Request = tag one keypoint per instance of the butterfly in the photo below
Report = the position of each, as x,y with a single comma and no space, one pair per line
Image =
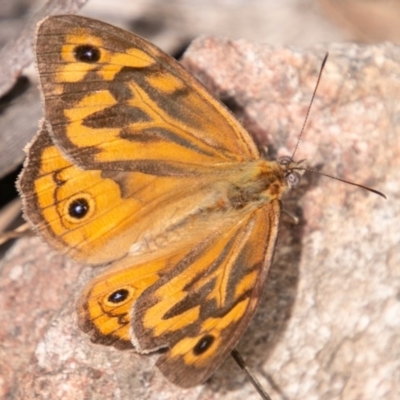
136,165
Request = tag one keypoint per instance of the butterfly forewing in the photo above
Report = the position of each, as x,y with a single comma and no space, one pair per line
110,92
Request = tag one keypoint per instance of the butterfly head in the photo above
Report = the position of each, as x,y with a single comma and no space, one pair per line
292,170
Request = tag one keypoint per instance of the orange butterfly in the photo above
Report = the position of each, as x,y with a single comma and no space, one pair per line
137,165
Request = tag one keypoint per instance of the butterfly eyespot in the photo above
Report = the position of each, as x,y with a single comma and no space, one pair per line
87,53
79,207
203,344
118,296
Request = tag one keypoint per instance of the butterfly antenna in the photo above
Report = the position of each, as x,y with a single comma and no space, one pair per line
344,180
301,134
254,381
311,102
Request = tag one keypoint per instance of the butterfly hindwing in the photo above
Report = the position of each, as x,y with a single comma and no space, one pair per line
195,304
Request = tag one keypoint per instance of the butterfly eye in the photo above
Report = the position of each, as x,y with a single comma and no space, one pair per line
87,53
78,208
285,160
203,345
293,179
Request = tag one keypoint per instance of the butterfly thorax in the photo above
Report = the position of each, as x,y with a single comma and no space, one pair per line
264,181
